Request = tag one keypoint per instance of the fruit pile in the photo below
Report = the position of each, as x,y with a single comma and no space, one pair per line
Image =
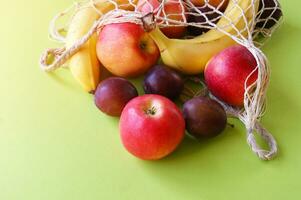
169,44
151,126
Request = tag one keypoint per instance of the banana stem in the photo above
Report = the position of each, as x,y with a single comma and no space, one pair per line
159,38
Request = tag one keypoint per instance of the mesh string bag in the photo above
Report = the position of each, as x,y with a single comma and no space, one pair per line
246,22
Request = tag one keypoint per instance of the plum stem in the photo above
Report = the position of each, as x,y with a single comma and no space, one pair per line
231,125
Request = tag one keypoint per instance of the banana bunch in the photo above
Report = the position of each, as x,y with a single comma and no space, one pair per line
190,56
84,65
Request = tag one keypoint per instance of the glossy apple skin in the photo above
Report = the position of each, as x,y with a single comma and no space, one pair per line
214,3
151,127
170,7
226,73
126,50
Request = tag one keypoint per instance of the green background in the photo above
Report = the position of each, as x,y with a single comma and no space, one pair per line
55,145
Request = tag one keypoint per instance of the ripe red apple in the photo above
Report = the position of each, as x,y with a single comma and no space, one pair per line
126,50
216,3
172,9
151,127
227,72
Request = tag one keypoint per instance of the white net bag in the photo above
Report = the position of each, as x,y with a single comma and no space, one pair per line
212,25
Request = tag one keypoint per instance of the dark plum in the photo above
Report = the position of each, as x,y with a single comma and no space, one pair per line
211,14
163,81
113,94
204,117
270,15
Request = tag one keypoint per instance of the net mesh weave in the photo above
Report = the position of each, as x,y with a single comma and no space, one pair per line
248,22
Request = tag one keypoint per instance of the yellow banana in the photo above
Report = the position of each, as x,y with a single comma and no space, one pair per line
84,65
191,55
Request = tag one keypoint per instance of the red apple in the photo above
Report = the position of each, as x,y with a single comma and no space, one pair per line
126,50
172,8
215,3
227,72
151,127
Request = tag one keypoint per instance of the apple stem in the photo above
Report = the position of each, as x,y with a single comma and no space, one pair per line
143,45
151,111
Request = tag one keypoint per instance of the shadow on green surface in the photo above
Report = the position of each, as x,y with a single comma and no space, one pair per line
282,108
191,149
283,105
64,79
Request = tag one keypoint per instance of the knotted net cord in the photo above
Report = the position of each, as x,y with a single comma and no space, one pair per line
248,34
